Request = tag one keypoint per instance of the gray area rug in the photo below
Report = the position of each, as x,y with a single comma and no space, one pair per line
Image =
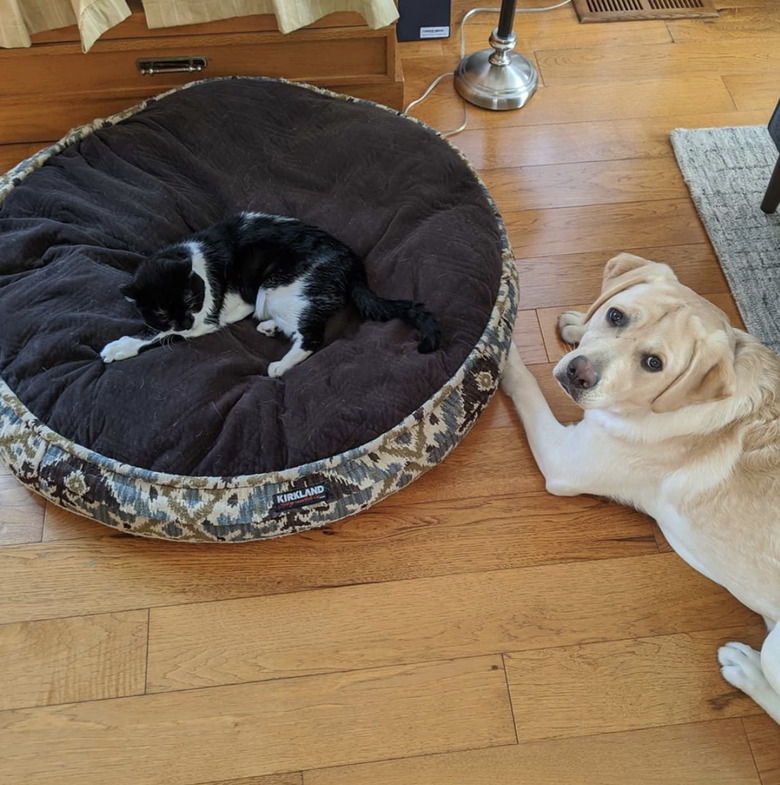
727,171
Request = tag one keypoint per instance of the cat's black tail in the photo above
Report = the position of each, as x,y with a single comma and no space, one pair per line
378,309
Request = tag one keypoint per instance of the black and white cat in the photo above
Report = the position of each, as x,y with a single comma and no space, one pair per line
291,276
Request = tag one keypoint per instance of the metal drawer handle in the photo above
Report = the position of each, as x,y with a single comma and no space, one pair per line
171,65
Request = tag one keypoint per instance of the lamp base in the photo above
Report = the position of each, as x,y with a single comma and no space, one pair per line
508,85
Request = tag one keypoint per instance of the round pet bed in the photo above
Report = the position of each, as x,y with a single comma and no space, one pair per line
192,441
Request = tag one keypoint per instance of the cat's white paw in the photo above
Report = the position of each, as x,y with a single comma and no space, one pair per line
571,325
741,668
275,370
121,349
269,327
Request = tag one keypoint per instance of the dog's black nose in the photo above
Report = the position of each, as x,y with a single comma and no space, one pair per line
582,373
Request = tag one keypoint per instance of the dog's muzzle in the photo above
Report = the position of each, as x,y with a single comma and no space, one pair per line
578,376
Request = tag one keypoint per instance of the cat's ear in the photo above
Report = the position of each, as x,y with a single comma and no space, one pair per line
129,292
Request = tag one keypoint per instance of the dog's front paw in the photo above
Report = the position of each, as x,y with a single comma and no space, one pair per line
121,349
269,327
741,667
571,326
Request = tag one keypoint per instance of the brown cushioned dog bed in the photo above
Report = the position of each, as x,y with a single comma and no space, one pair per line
193,440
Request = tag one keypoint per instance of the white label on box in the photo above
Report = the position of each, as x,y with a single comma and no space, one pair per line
435,32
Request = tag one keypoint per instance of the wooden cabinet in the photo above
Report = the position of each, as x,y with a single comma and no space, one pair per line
52,86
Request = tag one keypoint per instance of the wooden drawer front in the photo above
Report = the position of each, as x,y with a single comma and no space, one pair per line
355,56
23,119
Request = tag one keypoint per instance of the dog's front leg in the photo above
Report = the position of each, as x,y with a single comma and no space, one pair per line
555,447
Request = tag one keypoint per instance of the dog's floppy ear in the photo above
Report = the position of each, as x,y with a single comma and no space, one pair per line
709,375
626,270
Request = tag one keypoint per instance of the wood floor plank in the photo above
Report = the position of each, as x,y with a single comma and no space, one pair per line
550,281
663,543
449,616
764,736
509,145
661,60
528,338
254,729
430,47
76,659
389,542
293,778
503,414
721,4
501,460
579,184
711,753
562,30
581,102
732,24
548,318
625,685
21,512
549,31
562,406
633,225
12,154
753,92
59,524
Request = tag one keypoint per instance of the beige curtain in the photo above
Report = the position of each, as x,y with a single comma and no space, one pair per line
19,19
290,14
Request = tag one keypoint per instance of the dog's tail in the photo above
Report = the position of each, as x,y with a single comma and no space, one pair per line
378,309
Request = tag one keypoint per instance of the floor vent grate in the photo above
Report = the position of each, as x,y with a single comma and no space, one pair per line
637,10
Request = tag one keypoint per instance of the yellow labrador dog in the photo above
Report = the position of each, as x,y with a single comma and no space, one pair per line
682,421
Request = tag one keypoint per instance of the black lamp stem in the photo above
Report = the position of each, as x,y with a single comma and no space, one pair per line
507,18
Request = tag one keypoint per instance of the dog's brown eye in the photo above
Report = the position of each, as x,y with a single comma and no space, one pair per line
615,317
652,363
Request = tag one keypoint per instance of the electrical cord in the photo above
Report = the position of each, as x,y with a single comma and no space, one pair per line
473,12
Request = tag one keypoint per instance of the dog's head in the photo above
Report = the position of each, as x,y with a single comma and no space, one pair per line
650,344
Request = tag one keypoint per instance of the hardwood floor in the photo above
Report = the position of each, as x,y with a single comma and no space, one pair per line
471,629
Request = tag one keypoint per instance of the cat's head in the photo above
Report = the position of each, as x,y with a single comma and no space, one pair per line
166,291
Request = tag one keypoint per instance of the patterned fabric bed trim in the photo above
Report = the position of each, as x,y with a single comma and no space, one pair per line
261,506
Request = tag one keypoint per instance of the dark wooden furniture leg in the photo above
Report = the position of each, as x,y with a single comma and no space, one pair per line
772,195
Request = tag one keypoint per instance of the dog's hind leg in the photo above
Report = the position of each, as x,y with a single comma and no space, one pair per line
757,675
571,326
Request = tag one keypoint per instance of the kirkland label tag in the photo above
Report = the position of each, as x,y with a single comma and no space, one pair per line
435,32
300,497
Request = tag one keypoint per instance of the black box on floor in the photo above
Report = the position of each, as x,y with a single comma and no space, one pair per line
420,19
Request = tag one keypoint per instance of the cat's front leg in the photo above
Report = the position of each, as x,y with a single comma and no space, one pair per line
122,348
